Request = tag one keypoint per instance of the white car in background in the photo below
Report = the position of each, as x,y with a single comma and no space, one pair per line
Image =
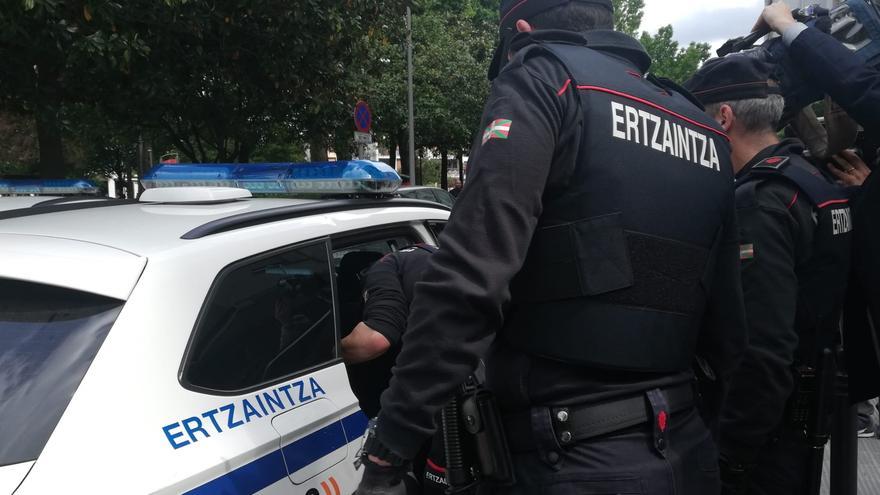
188,342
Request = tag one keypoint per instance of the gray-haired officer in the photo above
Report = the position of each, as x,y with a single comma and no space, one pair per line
795,239
591,256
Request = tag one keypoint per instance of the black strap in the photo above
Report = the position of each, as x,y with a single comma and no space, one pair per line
579,423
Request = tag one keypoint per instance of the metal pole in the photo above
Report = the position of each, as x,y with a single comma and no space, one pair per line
140,166
409,95
844,442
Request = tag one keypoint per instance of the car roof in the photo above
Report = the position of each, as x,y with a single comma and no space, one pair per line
145,229
8,203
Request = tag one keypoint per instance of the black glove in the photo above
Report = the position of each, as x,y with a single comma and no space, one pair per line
382,480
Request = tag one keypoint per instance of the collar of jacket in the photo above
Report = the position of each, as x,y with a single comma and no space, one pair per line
605,40
786,147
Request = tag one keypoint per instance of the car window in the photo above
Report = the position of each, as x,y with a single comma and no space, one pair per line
353,255
436,227
266,319
424,194
444,198
48,339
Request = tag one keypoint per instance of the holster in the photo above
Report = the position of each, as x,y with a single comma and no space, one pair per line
473,437
809,406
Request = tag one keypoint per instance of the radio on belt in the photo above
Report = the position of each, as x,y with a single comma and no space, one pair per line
341,177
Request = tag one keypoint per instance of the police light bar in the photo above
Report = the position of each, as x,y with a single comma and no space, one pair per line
48,187
343,177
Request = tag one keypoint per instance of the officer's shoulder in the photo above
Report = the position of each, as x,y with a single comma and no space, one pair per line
778,188
536,62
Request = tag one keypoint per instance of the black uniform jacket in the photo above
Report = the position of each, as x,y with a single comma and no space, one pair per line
841,74
777,238
388,291
461,301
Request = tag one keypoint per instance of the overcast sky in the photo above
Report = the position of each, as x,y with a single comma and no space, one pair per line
711,21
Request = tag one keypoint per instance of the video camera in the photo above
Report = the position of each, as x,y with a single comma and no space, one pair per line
855,23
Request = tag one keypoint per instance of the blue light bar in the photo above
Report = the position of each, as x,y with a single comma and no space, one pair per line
47,187
343,177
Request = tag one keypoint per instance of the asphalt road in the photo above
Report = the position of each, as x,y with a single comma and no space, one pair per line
869,468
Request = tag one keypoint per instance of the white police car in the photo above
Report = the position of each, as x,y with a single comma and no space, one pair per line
188,342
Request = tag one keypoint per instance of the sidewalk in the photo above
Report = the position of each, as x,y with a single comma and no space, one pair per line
869,467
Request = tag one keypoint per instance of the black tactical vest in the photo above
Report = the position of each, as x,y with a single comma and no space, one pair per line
822,279
620,266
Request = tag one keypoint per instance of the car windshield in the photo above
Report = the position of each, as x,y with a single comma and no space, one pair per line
48,338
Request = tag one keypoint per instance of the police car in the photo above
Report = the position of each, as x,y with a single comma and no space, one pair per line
187,342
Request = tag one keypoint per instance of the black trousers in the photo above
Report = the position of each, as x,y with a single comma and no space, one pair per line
781,468
624,462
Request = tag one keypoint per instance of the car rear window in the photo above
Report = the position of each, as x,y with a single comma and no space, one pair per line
48,338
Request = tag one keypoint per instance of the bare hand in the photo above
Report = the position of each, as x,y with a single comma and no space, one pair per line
849,168
776,17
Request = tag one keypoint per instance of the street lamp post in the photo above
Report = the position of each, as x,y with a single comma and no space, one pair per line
409,95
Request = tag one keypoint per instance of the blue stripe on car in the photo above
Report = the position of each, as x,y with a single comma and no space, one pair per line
260,473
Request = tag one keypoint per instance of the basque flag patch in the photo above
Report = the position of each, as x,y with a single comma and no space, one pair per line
498,129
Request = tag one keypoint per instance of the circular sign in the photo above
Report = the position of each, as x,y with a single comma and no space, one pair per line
363,117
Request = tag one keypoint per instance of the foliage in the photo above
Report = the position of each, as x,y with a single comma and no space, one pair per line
670,60
453,43
18,144
628,15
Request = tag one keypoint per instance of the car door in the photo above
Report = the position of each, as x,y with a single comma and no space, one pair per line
268,336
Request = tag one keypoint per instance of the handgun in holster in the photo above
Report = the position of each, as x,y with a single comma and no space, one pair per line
474,440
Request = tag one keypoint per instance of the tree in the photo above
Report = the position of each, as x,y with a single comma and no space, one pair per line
628,15
670,60
47,54
18,144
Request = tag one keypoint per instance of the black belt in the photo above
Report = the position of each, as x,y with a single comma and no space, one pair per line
583,422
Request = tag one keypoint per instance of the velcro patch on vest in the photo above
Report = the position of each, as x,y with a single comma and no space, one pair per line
773,163
746,252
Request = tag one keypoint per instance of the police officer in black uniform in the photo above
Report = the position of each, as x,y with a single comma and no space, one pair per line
373,345
591,257
371,348
795,229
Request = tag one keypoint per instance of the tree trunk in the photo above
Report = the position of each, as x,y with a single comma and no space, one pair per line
460,159
51,148
403,140
48,120
318,150
392,153
444,168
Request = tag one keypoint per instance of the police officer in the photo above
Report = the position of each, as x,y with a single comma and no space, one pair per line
591,255
372,346
829,66
795,229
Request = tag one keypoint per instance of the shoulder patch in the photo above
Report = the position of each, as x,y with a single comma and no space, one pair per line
497,129
773,162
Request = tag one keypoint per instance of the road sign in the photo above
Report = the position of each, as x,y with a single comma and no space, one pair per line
363,137
363,117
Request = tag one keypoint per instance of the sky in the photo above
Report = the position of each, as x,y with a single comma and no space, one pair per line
710,21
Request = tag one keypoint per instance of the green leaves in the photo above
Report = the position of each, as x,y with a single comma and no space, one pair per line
670,60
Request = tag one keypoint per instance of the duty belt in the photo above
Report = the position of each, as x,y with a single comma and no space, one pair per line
582,422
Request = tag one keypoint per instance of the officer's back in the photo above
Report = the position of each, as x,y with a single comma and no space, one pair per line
595,245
